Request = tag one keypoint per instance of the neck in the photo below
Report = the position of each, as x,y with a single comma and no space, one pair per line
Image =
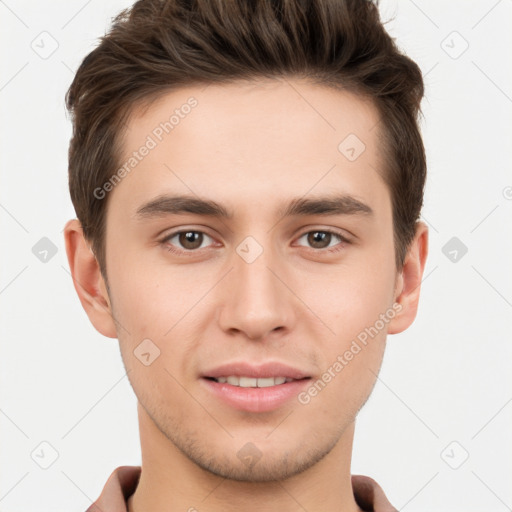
171,481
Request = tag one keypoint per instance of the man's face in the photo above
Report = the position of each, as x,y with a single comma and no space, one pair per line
260,288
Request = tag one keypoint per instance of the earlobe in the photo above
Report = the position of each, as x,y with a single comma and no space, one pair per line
87,279
409,281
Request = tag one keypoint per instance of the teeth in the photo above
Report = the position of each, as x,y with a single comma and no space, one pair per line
269,381
252,382
248,382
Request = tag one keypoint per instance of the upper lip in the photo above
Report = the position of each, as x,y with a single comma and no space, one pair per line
265,370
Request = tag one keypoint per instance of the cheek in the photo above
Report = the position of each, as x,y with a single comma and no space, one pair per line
149,298
351,303
154,302
351,357
351,298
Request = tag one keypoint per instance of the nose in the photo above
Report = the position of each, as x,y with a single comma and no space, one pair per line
257,300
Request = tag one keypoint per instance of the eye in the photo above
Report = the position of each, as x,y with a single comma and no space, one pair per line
186,240
190,240
322,239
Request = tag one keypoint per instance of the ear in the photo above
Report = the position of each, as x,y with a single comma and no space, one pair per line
87,279
407,290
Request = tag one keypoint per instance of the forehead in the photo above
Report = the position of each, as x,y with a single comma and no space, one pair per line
260,139
266,104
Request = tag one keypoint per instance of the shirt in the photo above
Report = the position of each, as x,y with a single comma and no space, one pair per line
123,482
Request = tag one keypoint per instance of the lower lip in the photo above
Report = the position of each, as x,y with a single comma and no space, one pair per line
256,399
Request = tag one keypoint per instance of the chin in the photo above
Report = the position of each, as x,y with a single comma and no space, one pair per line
252,465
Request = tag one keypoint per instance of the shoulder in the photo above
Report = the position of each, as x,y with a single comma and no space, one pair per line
120,485
369,495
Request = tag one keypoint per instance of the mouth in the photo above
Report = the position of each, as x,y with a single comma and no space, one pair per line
255,388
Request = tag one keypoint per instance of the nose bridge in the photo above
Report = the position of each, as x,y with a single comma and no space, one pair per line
257,302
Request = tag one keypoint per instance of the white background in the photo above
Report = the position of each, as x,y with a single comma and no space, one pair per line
445,379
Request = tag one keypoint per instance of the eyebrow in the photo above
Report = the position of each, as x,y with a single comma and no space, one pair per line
341,204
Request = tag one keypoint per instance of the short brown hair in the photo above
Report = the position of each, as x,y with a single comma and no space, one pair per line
160,45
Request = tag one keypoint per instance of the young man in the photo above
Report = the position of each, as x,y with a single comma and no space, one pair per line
248,178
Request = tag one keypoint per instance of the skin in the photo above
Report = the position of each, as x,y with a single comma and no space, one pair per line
252,147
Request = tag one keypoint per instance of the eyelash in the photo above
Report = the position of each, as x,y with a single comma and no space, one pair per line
191,252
